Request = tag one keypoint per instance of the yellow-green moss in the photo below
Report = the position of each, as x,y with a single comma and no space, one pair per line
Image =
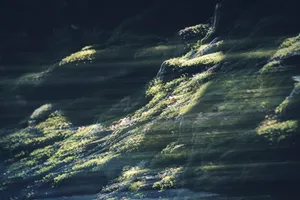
64,176
172,153
288,46
55,121
290,41
282,106
186,100
136,186
270,67
94,163
84,55
45,152
132,172
278,128
174,98
209,59
168,179
31,78
155,87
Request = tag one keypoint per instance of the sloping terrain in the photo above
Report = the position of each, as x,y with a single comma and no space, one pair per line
210,114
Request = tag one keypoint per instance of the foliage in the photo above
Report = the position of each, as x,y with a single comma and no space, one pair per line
132,172
55,121
94,163
197,30
209,59
270,67
282,106
136,186
288,47
278,130
168,179
83,55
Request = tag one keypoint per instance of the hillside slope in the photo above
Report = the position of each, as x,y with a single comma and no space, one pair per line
219,118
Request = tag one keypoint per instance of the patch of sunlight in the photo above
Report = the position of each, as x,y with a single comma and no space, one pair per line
186,100
55,121
275,127
95,163
160,50
42,153
84,55
172,153
193,30
154,87
132,172
277,131
209,59
279,110
72,147
17,139
194,100
250,54
212,167
134,187
173,98
87,48
289,46
64,176
130,143
270,67
45,169
290,41
168,178
32,78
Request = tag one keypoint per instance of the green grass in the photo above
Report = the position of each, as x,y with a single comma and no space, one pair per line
270,67
134,187
173,98
277,131
279,110
94,163
168,179
288,46
80,56
209,59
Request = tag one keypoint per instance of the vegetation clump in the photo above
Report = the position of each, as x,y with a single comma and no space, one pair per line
209,59
169,179
275,130
289,47
193,31
83,55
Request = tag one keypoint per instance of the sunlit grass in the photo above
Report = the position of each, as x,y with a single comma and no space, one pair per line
274,127
94,163
83,55
133,172
136,186
168,179
209,59
289,46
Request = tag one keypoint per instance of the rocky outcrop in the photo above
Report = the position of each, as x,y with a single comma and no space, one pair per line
40,114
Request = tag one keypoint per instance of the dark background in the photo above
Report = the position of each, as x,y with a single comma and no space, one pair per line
39,17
